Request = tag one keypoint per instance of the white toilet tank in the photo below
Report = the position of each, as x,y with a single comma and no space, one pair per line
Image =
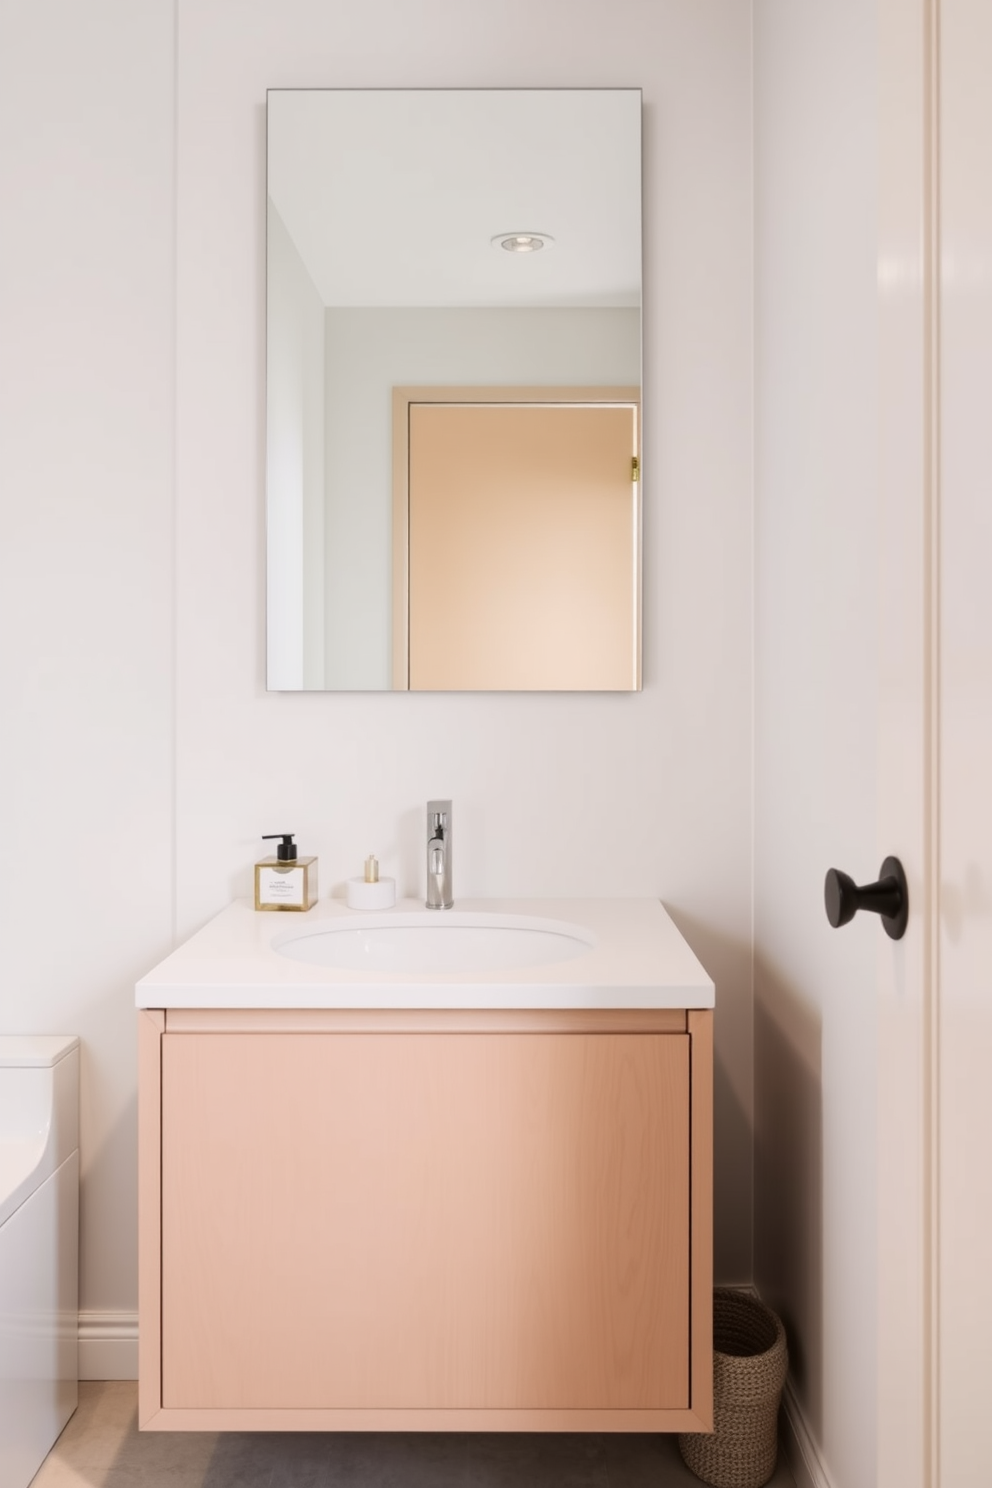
39,1248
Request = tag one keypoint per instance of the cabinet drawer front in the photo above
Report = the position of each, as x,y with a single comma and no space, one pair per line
446,1220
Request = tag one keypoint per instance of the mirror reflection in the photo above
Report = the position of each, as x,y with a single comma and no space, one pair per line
453,423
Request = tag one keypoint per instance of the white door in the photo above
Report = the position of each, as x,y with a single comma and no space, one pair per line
842,737
874,1057
906,733
963,1171
935,1030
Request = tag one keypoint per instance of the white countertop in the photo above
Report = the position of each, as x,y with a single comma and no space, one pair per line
636,958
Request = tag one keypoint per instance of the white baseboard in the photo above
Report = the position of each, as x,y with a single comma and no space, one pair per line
108,1345
800,1448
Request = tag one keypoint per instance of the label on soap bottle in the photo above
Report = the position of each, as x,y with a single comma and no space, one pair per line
280,885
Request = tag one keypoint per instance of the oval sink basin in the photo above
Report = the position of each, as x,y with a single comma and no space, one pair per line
456,943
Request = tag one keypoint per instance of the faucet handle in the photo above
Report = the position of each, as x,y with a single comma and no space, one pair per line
437,815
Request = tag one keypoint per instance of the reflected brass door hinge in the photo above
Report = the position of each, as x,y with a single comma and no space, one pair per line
635,468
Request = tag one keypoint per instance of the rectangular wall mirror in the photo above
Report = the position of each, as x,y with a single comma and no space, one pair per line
453,370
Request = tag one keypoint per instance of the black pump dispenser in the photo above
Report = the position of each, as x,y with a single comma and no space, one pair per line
286,851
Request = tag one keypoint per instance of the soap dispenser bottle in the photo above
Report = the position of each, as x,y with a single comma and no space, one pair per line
285,881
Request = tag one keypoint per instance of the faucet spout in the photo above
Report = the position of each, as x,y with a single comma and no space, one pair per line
439,855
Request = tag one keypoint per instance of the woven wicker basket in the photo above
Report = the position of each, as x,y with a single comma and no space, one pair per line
749,1365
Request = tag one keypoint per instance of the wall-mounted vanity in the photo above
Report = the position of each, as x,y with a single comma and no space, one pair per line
485,532
473,1195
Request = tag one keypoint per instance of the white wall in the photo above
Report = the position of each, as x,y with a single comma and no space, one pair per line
369,352
816,684
106,656
86,563
644,794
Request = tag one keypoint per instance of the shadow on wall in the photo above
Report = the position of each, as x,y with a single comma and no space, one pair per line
732,1180
728,961
108,1274
788,1173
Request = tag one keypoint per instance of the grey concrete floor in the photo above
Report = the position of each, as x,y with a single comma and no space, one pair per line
101,1447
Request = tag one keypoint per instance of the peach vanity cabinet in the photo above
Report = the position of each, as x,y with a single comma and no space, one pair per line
441,1218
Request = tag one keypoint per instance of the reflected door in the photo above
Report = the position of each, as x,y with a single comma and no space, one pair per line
523,550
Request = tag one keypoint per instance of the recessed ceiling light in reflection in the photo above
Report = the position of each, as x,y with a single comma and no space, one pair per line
522,242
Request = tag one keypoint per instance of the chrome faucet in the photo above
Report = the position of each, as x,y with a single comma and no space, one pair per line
438,854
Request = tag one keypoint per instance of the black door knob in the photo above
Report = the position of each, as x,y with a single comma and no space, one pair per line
889,897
